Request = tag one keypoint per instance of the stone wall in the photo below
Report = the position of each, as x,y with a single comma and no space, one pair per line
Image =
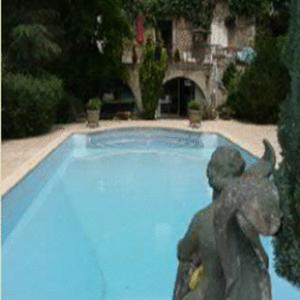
243,34
240,35
201,77
182,35
219,31
207,76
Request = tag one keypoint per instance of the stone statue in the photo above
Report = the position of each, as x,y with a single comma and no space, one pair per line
224,239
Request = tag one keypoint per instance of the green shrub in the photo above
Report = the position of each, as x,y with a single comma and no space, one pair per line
257,94
29,104
287,178
231,80
94,104
249,8
195,105
225,112
230,75
68,109
151,74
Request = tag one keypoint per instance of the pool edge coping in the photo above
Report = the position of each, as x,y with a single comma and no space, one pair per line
28,166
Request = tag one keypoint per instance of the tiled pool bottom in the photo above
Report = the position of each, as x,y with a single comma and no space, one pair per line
101,216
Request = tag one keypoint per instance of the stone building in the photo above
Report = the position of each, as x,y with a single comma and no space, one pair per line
203,58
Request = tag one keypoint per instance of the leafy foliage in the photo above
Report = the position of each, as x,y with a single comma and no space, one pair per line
281,4
32,46
195,105
198,12
230,77
86,70
231,80
151,74
30,95
249,8
29,104
256,95
279,19
94,104
68,109
30,23
287,243
61,38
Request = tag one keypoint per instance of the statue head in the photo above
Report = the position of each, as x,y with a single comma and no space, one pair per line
249,193
225,164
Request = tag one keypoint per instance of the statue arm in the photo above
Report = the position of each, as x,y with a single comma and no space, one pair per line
231,263
258,248
188,245
253,237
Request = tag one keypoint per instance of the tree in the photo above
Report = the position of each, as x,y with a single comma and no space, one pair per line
61,38
151,74
32,47
30,92
287,242
30,35
259,91
249,8
86,70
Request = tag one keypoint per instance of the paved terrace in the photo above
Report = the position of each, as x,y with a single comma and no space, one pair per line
22,155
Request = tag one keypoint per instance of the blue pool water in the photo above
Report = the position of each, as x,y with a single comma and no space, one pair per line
101,216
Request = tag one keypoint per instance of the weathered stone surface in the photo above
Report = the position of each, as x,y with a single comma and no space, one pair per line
182,35
256,201
225,235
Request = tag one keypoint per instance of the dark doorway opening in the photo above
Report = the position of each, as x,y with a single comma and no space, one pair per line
177,93
165,28
117,99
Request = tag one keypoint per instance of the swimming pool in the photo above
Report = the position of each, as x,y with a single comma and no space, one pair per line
100,218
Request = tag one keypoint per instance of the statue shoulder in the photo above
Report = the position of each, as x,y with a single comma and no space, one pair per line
203,215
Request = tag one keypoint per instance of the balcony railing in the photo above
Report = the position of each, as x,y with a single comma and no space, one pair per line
203,55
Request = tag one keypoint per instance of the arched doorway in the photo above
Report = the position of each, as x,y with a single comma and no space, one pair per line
177,92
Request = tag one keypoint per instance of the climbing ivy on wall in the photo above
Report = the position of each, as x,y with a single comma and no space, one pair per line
249,8
198,12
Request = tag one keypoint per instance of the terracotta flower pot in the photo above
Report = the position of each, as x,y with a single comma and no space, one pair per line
93,118
195,116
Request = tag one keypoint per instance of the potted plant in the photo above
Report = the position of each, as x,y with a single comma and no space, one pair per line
93,112
195,112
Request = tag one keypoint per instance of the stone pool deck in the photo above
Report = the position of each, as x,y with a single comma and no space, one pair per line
20,156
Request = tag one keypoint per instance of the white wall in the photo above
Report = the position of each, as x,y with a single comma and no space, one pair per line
219,34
